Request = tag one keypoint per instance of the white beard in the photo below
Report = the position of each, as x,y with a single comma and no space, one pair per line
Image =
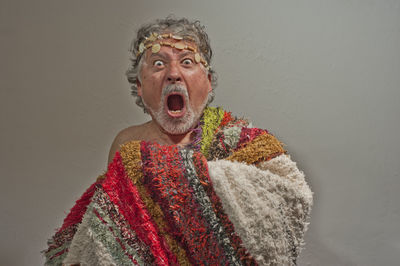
181,125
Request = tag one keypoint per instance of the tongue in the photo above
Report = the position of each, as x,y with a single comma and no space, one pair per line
175,102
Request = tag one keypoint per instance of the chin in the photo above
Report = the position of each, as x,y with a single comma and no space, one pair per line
176,125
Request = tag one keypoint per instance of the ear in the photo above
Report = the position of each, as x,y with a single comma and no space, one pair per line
139,87
209,82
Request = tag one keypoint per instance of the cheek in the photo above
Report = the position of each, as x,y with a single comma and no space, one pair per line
200,93
205,86
151,91
150,85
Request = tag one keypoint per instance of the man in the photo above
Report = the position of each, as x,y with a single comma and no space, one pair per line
194,185
172,83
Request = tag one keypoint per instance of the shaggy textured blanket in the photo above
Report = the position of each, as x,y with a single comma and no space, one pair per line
233,197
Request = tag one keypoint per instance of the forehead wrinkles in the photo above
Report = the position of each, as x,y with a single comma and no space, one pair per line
167,55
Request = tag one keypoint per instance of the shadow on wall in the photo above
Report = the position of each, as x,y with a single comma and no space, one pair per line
318,253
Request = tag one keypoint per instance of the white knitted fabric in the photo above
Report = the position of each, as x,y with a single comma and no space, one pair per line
269,206
86,249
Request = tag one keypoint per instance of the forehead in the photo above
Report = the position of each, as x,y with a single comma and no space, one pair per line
168,52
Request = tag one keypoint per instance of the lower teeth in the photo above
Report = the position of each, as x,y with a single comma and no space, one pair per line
175,112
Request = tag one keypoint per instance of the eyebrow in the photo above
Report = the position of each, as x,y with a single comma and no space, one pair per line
186,53
158,55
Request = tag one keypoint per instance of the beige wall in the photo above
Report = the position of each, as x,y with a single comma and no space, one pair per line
323,76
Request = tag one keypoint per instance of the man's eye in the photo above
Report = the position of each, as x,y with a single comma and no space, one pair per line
158,63
187,61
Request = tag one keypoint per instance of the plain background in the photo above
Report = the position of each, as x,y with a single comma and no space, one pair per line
323,76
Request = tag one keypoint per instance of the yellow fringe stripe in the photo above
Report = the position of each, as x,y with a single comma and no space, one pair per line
212,117
101,177
262,148
131,158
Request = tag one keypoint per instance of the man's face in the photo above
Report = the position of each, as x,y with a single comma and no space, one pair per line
174,88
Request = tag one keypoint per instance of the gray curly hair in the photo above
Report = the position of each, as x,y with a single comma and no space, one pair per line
182,27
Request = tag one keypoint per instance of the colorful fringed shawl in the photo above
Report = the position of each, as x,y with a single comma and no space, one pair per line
234,197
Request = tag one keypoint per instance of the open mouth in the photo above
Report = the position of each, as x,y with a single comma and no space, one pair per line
175,105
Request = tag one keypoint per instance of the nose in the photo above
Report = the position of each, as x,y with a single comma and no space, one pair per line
174,73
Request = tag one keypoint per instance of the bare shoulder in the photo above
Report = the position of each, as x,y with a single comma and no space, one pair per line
124,136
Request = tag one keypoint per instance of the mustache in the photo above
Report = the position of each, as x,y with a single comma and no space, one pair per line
177,88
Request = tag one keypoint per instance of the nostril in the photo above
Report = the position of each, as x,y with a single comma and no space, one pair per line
174,79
